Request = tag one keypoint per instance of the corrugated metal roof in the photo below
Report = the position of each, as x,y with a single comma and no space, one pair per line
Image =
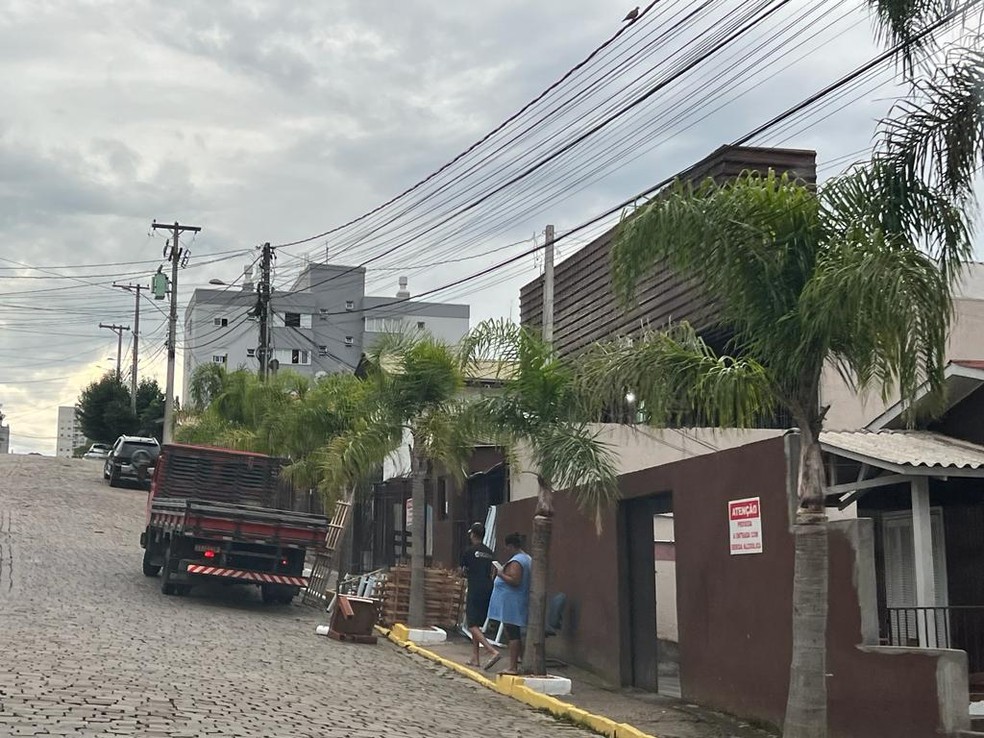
907,448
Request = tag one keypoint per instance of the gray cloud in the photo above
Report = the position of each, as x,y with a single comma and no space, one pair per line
270,121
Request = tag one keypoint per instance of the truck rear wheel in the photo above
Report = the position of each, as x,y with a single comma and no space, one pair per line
276,594
150,569
114,477
167,586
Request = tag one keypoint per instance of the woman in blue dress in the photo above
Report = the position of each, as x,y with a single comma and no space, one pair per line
510,601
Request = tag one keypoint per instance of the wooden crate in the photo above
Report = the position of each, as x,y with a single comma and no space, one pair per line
444,594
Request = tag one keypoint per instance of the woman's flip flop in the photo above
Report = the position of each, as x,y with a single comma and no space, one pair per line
492,662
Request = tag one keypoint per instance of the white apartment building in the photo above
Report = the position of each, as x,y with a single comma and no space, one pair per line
322,324
69,432
4,436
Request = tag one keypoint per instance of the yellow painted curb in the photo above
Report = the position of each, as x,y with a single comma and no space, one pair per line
514,686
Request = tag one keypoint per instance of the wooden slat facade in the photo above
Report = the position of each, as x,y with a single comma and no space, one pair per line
586,309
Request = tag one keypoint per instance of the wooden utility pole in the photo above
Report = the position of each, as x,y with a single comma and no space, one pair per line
178,257
263,310
118,330
548,285
135,288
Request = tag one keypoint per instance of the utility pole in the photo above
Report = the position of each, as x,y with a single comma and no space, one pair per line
548,286
135,288
178,257
262,310
118,330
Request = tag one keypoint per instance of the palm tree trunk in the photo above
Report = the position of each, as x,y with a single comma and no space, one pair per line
418,529
535,651
806,707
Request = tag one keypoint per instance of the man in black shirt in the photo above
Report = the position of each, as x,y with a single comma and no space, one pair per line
476,565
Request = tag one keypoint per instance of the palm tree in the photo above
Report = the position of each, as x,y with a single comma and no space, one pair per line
540,410
804,278
935,135
414,395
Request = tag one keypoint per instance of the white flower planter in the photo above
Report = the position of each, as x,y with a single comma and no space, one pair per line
555,686
427,636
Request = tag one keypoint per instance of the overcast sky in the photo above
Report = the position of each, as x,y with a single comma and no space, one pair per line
270,121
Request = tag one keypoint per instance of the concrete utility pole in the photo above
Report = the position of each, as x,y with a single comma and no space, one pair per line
548,285
118,330
262,310
178,257
135,288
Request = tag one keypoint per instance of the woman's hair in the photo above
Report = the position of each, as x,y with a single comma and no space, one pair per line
515,540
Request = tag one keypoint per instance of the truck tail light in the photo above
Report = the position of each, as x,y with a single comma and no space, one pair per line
209,554
283,562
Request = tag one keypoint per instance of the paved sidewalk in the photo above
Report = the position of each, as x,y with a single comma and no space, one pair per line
658,715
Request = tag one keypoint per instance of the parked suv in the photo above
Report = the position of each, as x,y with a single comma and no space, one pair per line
132,457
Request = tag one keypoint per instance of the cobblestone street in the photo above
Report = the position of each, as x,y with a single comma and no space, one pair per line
91,647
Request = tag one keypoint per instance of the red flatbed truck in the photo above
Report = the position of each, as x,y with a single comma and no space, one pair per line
214,514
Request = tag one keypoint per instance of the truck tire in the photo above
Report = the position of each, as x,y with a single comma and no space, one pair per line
149,569
168,587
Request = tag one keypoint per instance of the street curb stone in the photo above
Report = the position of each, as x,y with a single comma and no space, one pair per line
513,686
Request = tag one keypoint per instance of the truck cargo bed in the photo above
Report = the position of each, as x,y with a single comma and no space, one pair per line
230,521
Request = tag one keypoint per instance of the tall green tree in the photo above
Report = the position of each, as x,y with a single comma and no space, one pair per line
414,391
104,410
540,412
803,278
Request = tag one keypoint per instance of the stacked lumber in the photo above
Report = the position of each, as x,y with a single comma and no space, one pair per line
444,596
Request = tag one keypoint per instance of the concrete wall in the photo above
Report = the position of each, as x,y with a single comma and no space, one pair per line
850,411
640,447
667,627
735,611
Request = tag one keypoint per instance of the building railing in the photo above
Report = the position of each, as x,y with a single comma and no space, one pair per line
958,626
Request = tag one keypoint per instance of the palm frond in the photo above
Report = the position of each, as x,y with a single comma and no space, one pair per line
901,22
572,457
676,376
936,135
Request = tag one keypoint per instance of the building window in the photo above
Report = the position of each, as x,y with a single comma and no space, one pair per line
384,325
350,305
349,341
300,356
322,350
420,325
251,353
292,320
221,322
219,358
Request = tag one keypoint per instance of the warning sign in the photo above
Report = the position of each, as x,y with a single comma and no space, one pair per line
745,522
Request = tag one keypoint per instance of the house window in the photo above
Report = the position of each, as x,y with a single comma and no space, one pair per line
384,325
218,358
292,320
251,353
322,350
300,356
420,325
349,341
221,322
350,305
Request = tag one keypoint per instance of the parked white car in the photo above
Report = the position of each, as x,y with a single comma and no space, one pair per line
97,451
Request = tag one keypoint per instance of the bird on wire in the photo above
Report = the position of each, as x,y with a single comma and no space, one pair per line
633,14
